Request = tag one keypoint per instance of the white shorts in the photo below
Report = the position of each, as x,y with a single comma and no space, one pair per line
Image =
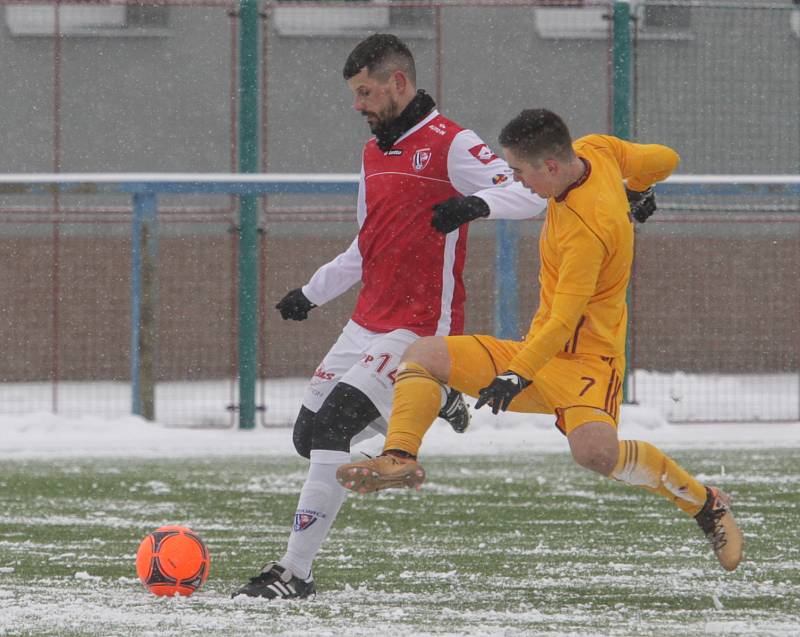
366,360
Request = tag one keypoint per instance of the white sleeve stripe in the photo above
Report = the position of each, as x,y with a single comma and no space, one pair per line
448,284
361,202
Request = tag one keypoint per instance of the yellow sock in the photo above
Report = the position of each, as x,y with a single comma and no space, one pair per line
417,401
643,465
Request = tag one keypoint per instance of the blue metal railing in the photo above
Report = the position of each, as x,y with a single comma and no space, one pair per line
144,190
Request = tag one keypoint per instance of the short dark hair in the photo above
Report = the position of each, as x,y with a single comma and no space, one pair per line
381,54
536,133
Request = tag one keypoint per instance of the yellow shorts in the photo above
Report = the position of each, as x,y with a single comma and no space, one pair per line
576,388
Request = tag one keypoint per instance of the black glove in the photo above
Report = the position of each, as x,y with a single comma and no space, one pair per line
295,306
450,214
643,204
501,391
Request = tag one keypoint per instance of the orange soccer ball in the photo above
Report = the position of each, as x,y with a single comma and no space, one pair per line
172,559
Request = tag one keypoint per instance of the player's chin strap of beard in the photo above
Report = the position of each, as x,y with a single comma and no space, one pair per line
421,105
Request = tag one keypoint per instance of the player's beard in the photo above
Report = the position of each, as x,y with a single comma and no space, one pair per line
384,118
392,122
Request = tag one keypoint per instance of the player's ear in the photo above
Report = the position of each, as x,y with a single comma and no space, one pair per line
400,81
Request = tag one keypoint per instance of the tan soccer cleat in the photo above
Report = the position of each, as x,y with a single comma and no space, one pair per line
716,521
384,472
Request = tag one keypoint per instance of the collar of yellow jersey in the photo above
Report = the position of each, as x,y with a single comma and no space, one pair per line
587,170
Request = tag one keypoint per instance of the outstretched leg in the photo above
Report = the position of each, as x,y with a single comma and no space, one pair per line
595,446
418,390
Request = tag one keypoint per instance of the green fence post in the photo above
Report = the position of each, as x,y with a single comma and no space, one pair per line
621,107
248,211
144,295
621,117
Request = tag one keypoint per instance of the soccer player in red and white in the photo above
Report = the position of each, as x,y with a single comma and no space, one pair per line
423,177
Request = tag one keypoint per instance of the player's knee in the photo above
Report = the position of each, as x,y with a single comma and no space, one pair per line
594,446
431,353
599,459
346,411
304,432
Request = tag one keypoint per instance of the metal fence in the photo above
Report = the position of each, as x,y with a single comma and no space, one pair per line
156,88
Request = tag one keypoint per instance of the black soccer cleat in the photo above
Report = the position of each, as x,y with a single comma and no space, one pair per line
276,582
455,411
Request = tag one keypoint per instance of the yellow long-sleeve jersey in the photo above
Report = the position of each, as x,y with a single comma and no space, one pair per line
586,252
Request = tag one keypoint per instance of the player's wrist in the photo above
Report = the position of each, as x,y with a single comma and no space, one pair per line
477,206
456,211
309,300
637,195
515,377
642,203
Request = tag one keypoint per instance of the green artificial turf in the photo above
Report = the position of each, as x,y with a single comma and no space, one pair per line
522,545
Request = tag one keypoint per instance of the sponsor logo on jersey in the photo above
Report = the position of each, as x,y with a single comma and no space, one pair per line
321,373
421,158
436,129
483,153
499,179
304,518
394,152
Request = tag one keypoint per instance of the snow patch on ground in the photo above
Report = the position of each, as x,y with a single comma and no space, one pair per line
45,435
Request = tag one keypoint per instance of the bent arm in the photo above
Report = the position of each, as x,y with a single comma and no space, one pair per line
577,281
344,271
513,201
335,277
474,169
565,315
642,165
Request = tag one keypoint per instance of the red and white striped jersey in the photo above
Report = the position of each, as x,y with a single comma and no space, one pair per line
411,274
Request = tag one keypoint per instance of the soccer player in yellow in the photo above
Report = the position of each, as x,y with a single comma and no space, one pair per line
572,361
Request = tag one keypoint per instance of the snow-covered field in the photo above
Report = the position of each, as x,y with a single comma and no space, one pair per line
566,587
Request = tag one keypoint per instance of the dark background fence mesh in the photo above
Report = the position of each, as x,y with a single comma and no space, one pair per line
715,294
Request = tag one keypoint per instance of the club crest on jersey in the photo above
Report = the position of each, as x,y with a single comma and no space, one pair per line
421,158
483,153
304,518
499,179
